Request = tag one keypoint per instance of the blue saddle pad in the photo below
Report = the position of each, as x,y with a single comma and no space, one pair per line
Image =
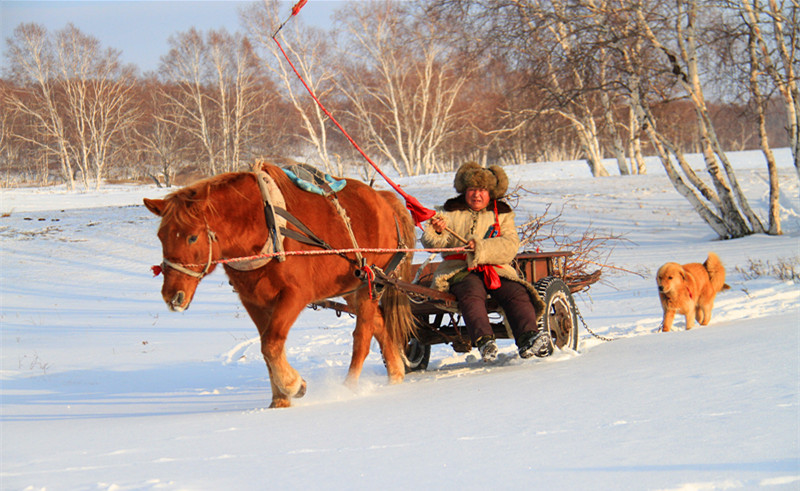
311,179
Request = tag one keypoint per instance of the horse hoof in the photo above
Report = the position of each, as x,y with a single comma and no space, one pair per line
351,383
280,403
301,391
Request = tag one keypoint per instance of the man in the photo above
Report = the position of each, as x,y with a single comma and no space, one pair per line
487,224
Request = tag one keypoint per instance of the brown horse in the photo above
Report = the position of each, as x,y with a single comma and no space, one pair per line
223,217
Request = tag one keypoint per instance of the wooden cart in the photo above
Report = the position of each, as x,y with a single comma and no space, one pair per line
439,320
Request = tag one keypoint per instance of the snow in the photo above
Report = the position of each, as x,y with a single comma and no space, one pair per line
103,388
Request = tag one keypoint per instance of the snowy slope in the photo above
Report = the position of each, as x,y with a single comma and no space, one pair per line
103,388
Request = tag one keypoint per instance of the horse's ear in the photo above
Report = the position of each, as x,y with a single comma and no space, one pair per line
156,206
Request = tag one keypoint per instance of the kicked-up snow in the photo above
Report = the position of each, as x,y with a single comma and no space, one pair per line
102,387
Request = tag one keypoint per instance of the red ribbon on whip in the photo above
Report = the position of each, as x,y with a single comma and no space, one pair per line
295,11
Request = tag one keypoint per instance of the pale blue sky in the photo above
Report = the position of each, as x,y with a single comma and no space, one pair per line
140,28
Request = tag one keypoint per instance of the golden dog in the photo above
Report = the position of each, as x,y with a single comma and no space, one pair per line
690,290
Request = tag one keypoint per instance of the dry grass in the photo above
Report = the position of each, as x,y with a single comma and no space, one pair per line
784,269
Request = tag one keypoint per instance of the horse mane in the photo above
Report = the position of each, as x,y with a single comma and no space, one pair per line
185,206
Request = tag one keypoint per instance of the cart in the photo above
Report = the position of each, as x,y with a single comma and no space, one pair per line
439,321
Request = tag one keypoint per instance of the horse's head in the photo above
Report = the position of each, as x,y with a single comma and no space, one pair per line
187,244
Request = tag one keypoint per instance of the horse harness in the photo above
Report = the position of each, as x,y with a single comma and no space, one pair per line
276,214
305,235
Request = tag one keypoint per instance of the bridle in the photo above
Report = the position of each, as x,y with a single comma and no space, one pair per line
212,237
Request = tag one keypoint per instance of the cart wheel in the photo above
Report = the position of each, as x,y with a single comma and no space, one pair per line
560,317
418,355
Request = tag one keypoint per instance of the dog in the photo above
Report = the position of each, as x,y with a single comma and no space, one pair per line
690,289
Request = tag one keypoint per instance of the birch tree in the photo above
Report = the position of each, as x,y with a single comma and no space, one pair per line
212,83
723,204
547,41
191,103
97,92
571,89
240,94
402,83
32,66
76,95
162,149
309,51
774,30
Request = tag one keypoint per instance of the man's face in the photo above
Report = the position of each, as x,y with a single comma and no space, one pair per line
477,198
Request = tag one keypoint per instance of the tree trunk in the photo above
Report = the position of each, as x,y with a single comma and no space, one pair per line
759,103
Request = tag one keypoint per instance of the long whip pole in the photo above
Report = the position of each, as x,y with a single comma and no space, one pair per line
419,212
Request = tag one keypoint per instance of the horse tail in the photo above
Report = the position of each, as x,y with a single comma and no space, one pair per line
395,305
397,316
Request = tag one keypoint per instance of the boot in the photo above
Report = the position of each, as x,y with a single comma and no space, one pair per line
536,344
487,348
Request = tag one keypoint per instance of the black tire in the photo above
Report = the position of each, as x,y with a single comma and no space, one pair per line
418,356
561,316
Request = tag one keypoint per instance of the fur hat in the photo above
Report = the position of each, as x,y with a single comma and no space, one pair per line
472,175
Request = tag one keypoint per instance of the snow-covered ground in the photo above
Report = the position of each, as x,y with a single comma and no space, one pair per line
103,388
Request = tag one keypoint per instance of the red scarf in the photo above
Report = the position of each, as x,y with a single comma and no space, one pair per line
490,277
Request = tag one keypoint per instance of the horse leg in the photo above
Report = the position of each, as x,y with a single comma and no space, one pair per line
395,366
273,327
365,310
369,323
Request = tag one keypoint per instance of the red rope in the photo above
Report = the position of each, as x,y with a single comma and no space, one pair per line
376,250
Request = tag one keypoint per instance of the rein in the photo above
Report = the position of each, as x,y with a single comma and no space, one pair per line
183,268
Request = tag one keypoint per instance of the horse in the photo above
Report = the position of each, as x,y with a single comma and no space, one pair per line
223,217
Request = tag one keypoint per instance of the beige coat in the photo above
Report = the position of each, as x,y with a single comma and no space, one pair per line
471,225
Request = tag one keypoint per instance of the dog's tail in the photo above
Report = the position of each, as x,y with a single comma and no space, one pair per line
716,272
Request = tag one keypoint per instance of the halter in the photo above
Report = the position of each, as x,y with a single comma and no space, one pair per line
212,237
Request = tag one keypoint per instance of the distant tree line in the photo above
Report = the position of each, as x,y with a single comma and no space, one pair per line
422,87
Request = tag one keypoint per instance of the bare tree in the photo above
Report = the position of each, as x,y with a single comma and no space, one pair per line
161,148
191,104
8,151
76,95
217,94
308,49
774,50
239,93
570,87
763,76
724,207
97,90
32,61
545,41
402,82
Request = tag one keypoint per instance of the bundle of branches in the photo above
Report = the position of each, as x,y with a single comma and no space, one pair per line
590,248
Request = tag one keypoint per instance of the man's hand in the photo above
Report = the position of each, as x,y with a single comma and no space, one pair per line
438,223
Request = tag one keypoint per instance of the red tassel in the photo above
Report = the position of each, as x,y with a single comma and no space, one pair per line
156,270
298,6
370,278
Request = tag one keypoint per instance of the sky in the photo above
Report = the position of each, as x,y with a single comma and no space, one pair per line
140,28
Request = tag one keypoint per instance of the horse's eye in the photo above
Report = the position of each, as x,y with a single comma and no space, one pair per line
192,239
